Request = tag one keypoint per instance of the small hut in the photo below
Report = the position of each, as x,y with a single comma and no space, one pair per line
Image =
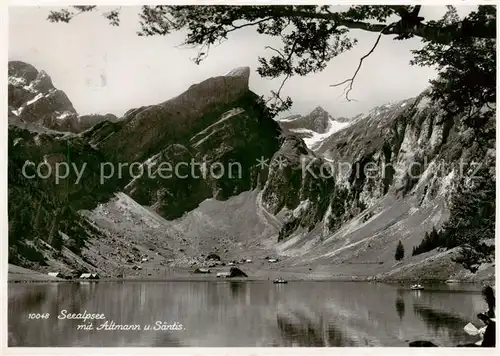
223,274
89,276
56,274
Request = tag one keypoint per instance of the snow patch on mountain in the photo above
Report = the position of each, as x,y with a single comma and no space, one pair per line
289,118
17,81
315,138
64,115
35,99
17,112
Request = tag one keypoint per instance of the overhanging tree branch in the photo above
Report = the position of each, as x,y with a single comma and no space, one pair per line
351,80
286,103
427,31
463,50
438,34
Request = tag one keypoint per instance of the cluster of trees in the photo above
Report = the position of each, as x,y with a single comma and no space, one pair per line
431,241
472,221
38,213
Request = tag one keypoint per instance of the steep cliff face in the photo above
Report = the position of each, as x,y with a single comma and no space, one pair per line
209,171
389,151
390,176
297,187
217,162
175,120
43,211
210,138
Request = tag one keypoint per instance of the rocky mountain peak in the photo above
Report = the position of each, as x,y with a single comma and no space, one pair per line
22,70
34,101
318,111
42,83
320,119
316,121
243,72
25,76
181,114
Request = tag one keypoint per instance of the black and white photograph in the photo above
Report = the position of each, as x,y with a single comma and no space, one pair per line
250,175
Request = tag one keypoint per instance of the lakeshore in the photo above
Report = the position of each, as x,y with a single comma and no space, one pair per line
22,275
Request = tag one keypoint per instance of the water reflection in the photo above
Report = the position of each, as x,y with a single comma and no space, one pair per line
233,314
400,307
441,322
299,330
237,288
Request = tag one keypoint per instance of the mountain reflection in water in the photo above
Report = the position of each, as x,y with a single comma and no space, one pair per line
246,314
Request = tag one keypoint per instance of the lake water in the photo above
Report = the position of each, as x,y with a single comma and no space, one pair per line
247,314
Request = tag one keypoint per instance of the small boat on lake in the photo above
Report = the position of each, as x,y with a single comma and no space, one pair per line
280,281
416,287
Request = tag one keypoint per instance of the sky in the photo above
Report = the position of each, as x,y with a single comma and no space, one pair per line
106,69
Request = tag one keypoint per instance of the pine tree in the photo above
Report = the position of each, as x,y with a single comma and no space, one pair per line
400,252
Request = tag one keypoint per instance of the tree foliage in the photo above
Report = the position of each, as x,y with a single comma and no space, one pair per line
400,252
466,83
430,242
472,221
312,35
472,213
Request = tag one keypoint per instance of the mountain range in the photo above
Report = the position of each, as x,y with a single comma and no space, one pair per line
299,188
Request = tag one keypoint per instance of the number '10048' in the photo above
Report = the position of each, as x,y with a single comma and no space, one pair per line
38,316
